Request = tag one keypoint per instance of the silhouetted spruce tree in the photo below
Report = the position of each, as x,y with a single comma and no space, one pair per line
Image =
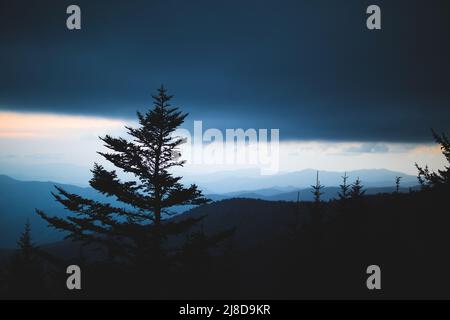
136,229
297,212
27,248
397,184
343,194
25,278
357,191
441,178
317,192
317,189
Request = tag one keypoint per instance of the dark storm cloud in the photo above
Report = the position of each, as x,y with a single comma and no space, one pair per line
310,68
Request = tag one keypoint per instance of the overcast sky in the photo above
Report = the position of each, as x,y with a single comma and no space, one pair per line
310,68
342,97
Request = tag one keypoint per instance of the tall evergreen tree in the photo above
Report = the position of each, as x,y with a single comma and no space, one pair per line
317,208
343,194
25,276
441,178
317,189
357,191
397,184
26,246
136,228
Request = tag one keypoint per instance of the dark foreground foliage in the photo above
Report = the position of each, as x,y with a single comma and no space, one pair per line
405,234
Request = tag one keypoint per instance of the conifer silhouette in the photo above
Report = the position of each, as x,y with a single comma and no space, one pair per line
441,178
397,184
357,191
25,272
317,189
136,228
344,188
27,248
317,210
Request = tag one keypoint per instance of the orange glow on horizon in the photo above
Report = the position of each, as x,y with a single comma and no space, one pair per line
38,125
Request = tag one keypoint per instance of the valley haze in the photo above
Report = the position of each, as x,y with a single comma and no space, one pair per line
219,186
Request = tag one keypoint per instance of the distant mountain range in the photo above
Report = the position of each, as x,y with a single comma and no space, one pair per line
18,199
235,182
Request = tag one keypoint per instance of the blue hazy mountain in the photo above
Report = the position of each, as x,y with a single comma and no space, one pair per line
236,181
18,199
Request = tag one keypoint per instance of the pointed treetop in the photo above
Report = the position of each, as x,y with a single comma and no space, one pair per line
146,200
26,246
317,189
357,189
162,99
344,188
